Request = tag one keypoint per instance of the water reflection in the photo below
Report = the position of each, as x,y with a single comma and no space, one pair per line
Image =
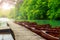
6,37
3,21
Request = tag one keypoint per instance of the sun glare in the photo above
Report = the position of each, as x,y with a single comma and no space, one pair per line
6,6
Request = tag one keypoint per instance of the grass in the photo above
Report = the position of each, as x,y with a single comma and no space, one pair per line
54,23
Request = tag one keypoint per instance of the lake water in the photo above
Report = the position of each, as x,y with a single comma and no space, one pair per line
6,37
3,24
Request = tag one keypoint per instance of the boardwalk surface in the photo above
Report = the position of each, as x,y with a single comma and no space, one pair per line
4,27
22,33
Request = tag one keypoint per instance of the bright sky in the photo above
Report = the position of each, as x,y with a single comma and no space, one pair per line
6,6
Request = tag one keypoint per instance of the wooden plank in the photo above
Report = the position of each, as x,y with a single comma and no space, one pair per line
22,33
4,27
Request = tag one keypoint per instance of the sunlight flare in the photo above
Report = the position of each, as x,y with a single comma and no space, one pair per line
6,6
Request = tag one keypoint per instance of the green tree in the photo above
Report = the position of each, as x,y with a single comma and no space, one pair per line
54,8
38,9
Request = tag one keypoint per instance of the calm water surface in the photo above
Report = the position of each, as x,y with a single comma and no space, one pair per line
3,24
6,37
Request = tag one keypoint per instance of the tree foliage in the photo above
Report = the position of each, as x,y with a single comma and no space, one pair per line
38,9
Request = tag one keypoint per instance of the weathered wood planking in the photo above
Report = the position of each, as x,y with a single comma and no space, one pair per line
22,33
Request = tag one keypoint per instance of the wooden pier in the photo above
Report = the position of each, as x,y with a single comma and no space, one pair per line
22,33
